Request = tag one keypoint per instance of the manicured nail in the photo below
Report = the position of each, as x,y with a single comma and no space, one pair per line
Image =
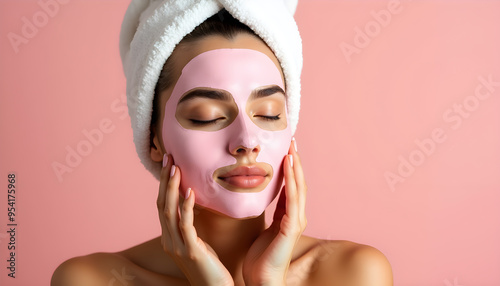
188,192
294,143
165,160
172,171
290,158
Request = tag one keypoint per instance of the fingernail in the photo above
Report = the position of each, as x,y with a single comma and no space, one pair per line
172,171
165,160
290,158
294,143
188,192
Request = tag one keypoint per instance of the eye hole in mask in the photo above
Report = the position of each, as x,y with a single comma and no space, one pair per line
209,109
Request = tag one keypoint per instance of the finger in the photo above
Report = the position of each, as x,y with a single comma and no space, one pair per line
297,164
290,189
172,207
299,178
166,240
186,226
164,176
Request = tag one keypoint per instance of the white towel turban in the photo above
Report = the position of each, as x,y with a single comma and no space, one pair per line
152,28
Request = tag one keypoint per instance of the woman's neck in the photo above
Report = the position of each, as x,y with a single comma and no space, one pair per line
230,238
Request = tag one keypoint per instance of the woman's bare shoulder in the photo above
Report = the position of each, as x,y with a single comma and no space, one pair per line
342,262
107,269
100,268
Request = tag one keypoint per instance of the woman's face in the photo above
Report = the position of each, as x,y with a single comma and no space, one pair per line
224,121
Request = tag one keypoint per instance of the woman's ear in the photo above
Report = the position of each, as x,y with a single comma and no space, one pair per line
156,151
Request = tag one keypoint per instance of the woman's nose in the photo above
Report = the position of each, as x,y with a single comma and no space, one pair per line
244,139
242,150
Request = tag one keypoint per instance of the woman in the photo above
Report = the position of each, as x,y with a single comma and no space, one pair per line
221,130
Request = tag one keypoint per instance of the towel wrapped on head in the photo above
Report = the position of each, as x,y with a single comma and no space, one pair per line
151,29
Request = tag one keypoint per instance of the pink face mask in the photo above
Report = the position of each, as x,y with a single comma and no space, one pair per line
200,153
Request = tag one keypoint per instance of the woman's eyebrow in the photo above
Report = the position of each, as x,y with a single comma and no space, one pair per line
205,93
267,91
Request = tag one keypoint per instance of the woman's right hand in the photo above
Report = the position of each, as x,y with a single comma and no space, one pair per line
179,239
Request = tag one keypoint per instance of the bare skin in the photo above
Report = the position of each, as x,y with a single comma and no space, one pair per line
226,243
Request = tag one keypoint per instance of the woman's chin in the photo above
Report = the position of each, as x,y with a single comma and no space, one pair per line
206,210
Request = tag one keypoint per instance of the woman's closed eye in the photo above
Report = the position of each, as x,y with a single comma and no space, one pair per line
205,122
269,118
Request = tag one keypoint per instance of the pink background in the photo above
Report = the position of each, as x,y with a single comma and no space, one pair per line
361,115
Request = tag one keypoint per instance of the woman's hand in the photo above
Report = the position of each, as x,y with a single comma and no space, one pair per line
193,256
268,258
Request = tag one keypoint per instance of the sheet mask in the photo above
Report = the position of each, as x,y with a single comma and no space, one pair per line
199,153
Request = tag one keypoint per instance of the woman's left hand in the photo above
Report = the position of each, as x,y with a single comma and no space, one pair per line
267,260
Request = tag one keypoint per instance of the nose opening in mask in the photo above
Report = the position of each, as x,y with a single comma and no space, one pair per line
240,150
244,136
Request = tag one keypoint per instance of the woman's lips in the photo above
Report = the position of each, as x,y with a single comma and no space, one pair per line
244,181
245,177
